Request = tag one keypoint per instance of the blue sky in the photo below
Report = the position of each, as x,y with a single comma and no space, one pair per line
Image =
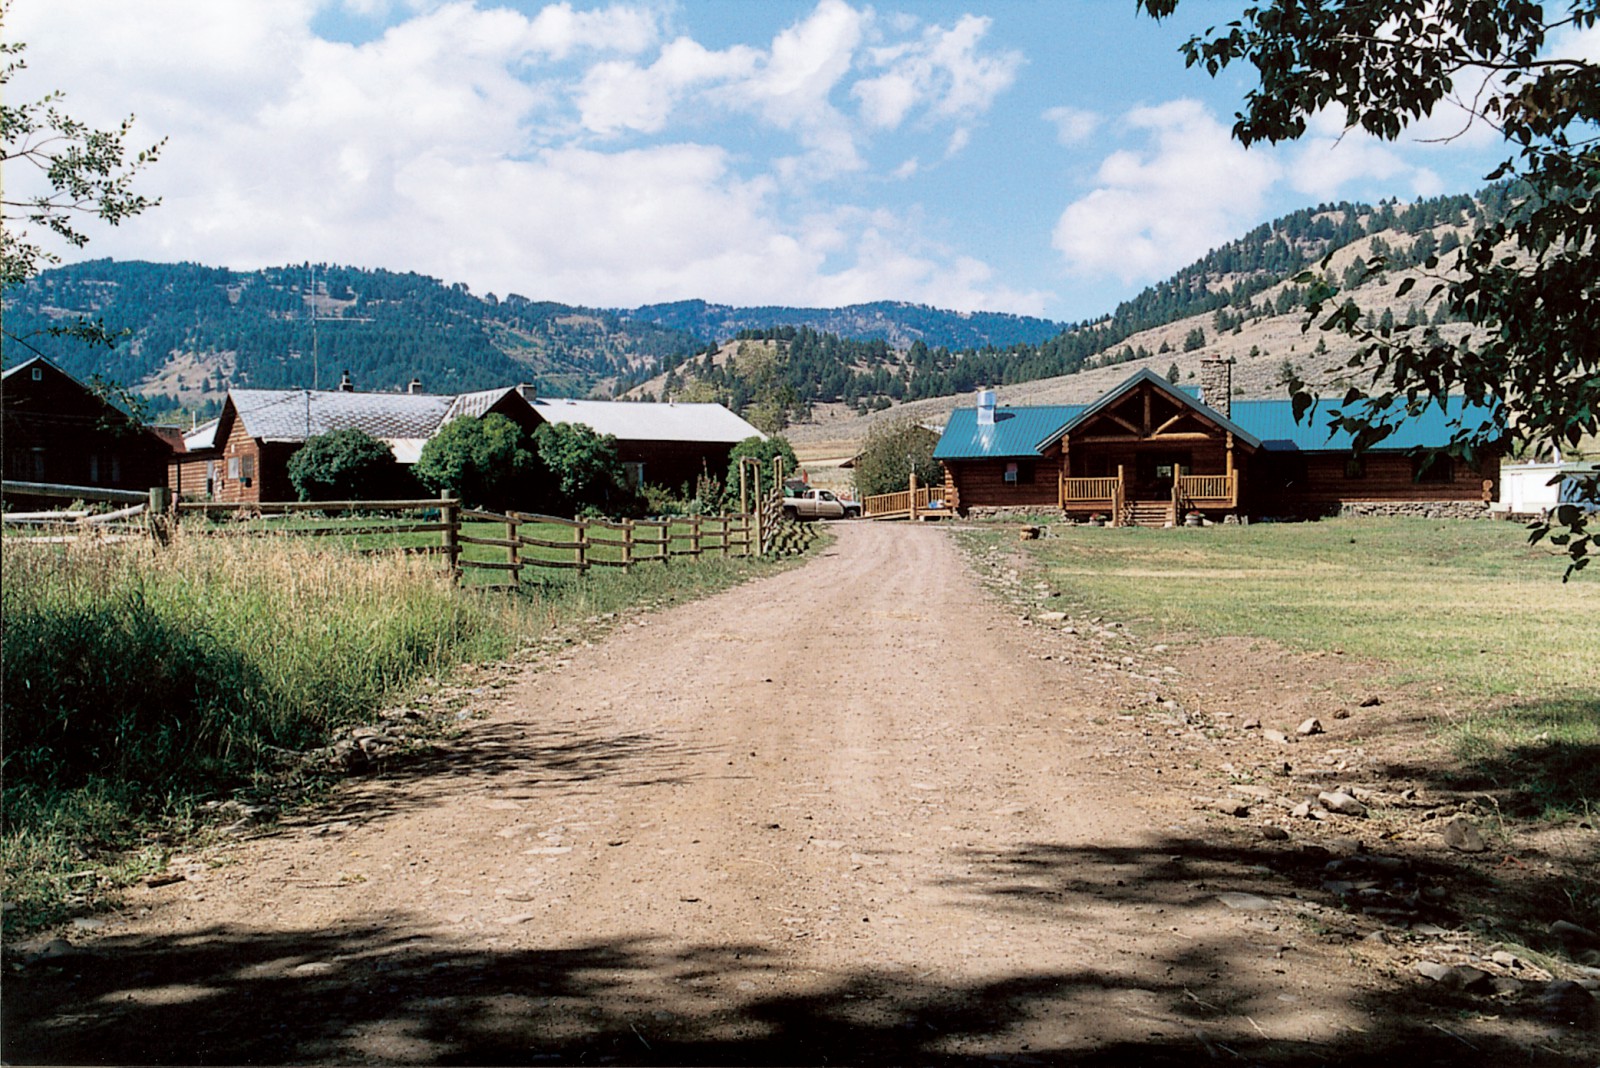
1044,158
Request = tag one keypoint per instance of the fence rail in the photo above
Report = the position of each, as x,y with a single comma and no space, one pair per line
469,539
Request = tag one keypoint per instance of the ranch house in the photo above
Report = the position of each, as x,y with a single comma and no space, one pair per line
243,455
1151,453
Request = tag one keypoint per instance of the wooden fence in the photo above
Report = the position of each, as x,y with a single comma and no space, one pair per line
468,540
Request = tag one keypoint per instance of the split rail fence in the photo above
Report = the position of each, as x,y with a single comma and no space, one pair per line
501,546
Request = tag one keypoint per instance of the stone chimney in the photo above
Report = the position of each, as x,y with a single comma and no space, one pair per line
1216,385
345,383
530,393
414,386
986,407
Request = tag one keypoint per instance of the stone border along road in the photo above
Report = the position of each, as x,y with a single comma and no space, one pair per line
839,814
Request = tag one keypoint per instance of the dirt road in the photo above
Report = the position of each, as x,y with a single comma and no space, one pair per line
846,813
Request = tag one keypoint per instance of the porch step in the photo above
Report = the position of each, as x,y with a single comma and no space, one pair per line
1148,513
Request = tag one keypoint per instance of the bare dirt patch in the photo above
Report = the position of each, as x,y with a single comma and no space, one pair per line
865,811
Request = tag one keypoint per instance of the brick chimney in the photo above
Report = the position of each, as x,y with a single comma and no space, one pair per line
1216,385
414,386
345,383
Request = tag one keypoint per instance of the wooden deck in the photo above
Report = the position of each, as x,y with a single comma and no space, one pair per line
920,503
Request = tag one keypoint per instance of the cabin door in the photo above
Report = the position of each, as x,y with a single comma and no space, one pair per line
1155,471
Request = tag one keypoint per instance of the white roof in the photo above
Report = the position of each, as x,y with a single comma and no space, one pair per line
640,421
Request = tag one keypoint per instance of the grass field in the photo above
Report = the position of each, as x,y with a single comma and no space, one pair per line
1465,606
139,681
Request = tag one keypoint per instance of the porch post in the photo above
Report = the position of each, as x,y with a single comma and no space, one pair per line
1233,485
911,498
1120,497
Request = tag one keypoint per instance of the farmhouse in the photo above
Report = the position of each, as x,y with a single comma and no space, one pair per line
1150,453
58,430
667,444
243,455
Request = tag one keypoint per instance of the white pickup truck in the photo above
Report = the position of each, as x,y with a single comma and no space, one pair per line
819,504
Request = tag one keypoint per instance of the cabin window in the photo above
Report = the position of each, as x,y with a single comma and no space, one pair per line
1355,467
233,467
116,470
94,468
1434,469
247,469
1020,472
634,473
37,375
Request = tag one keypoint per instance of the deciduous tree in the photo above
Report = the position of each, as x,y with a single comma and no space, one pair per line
1528,281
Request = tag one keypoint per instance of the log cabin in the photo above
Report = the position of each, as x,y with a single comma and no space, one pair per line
58,430
1150,453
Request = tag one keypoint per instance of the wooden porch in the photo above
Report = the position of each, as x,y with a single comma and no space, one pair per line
1121,503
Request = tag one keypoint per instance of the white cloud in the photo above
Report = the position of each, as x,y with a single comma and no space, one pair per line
479,144
1191,189
944,73
1073,125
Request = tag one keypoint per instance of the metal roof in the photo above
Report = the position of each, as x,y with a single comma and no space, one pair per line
628,421
1016,431
1274,423
477,404
295,415
1027,431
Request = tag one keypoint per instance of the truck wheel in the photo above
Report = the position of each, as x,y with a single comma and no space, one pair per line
790,513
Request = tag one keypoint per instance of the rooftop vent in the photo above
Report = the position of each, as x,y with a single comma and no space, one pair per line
986,407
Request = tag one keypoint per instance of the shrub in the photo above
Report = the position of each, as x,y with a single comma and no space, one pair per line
488,462
343,465
585,472
763,449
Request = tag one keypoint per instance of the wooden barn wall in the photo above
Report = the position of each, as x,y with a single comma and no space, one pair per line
982,484
55,430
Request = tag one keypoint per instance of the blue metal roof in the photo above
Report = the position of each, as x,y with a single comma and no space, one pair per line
1016,431
1273,422
1024,431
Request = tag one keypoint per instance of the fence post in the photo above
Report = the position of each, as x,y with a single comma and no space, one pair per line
513,551
580,534
694,536
451,518
724,521
627,545
911,497
156,514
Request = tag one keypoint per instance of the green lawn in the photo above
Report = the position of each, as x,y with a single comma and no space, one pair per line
1466,606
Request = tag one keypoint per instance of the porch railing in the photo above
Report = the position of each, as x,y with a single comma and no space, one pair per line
1089,490
887,505
1205,487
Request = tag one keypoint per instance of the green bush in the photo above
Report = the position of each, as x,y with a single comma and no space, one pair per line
893,450
344,465
488,463
765,450
585,473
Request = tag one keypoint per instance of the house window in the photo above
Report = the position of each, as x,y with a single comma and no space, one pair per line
116,470
37,375
233,467
1355,467
247,469
94,469
1020,472
634,472
1434,469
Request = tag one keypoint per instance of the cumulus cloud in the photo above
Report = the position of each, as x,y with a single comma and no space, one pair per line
1189,189
1073,125
561,152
